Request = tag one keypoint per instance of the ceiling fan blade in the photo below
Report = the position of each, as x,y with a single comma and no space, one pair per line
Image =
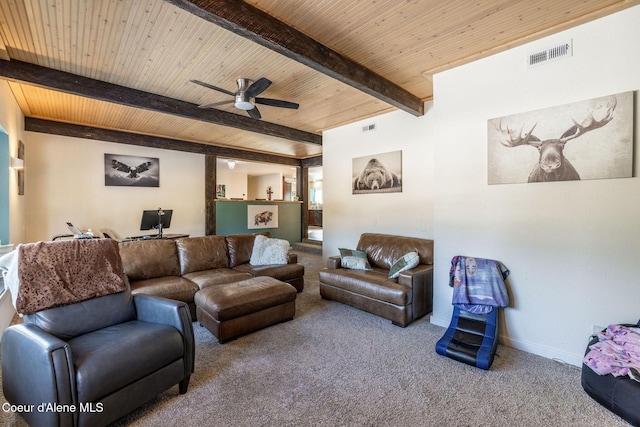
258,87
277,103
215,104
254,113
219,89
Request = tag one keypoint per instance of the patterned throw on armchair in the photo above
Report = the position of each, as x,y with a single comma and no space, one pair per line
88,352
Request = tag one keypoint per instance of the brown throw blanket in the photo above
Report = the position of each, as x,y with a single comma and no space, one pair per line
52,274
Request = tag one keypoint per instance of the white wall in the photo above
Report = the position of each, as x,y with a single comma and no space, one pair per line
235,182
65,182
409,213
257,186
572,247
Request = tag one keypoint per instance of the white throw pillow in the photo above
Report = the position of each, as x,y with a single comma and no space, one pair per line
407,262
268,251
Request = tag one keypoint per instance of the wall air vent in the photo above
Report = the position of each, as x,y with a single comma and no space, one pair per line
560,51
368,128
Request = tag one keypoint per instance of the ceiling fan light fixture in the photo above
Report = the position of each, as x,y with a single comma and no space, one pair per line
243,104
247,96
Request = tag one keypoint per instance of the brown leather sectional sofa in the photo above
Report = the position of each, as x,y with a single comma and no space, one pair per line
177,269
401,300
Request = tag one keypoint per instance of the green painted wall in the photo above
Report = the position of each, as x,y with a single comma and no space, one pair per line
231,218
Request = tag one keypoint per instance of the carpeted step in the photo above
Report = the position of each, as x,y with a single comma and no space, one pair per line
309,246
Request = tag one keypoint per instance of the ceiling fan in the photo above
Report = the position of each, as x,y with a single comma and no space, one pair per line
246,96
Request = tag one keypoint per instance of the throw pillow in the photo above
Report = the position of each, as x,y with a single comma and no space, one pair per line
407,262
268,251
354,259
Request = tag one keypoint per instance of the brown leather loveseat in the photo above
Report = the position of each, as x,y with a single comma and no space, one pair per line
402,299
177,269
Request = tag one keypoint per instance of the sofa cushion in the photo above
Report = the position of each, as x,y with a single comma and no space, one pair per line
147,259
172,287
218,276
383,250
281,272
240,248
202,253
354,259
373,284
268,251
407,262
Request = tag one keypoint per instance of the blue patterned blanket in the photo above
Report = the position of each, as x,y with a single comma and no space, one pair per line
478,284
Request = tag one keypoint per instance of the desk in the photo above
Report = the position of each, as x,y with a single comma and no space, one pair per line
154,236
173,236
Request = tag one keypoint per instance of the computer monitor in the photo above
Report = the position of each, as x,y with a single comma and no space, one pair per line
156,219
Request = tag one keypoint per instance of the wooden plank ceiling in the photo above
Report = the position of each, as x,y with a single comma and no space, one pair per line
127,65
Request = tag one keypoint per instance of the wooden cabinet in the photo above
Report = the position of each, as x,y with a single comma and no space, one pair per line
315,218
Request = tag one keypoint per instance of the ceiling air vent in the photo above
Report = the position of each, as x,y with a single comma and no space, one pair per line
560,51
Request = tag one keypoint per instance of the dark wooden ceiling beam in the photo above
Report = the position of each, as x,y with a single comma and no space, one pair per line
311,162
83,86
89,132
252,23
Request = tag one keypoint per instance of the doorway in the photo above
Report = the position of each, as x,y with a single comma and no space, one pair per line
316,202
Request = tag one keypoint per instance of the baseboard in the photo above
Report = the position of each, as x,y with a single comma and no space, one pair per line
439,322
533,348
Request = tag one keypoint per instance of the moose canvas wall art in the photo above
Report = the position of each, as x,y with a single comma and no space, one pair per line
591,139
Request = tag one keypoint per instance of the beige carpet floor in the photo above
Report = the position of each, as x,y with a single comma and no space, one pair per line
334,365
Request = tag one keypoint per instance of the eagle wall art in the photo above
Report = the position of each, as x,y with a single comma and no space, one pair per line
131,171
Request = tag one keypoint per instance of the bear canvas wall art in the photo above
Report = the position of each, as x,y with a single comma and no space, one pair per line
379,173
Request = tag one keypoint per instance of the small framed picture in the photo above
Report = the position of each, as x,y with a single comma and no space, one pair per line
220,191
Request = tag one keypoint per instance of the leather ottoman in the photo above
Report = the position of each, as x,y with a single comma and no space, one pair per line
234,309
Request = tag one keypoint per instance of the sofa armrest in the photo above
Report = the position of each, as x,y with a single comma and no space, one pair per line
155,309
420,279
37,368
292,258
333,262
416,275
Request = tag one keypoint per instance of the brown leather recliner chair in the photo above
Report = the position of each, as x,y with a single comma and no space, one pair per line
90,362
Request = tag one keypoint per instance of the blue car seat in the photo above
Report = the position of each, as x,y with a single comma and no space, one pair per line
470,338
